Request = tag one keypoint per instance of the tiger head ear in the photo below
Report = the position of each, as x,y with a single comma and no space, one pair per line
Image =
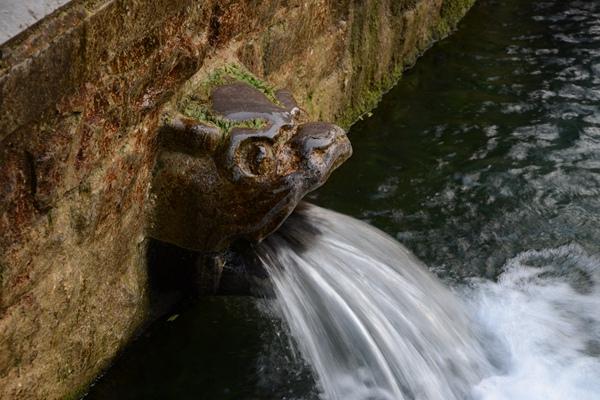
188,135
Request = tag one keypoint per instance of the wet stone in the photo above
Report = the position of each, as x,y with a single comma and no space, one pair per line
240,98
212,187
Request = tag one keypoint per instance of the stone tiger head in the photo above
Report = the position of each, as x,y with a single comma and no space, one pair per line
239,171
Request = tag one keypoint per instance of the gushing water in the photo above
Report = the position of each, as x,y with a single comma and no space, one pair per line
372,322
375,325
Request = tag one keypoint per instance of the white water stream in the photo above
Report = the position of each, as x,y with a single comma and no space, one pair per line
375,325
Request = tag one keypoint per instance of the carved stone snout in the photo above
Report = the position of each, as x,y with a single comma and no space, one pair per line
240,172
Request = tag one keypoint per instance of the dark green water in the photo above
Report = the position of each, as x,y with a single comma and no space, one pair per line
219,348
487,148
490,145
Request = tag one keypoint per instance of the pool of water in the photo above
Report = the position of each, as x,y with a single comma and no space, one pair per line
218,348
484,161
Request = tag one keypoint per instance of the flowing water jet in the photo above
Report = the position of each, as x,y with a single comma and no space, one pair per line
369,318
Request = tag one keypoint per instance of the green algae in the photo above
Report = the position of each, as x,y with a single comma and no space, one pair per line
450,14
365,36
197,110
197,105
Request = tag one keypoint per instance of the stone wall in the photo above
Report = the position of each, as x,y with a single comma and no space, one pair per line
80,94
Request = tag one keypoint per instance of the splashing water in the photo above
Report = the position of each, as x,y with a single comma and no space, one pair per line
375,325
544,312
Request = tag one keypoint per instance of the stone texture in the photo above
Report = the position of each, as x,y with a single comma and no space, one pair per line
211,187
80,100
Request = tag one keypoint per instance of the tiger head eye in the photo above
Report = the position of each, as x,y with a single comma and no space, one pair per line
256,159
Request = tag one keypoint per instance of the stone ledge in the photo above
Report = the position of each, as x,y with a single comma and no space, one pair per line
19,15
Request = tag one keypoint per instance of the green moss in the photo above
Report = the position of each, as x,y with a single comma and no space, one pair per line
193,108
366,90
367,85
197,105
450,14
370,95
231,73
241,74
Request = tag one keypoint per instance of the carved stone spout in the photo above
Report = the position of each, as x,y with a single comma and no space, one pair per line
238,170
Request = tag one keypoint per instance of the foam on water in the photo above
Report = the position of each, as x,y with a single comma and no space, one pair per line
544,313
